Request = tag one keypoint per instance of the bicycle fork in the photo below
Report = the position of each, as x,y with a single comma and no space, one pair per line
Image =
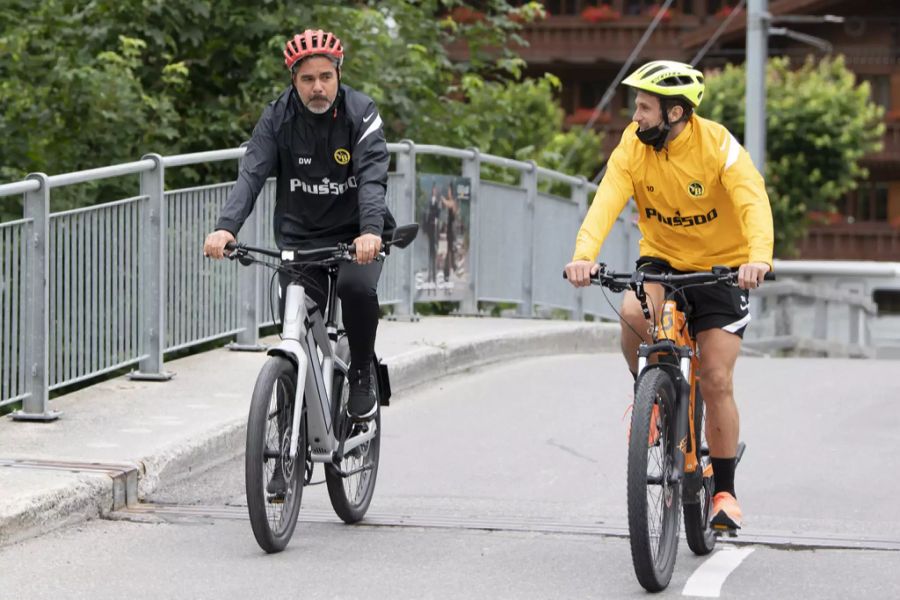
683,397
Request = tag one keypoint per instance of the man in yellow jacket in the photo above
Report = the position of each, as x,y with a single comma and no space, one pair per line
700,203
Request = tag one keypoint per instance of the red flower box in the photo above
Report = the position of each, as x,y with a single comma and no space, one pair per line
599,14
466,15
655,8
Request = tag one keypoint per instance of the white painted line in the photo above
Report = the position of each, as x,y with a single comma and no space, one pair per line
707,580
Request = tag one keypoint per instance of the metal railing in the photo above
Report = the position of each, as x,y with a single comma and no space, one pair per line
824,308
810,319
88,291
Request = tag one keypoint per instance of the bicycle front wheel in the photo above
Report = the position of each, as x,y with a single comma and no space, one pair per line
699,486
653,496
274,481
352,483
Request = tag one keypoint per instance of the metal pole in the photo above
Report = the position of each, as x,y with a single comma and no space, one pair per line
36,351
472,170
249,285
578,197
757,57
529,182
406,166
153,274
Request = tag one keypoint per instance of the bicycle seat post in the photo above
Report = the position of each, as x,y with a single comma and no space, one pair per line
294,311
333,310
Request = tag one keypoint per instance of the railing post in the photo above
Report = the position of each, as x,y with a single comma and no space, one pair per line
35,353
248,284
820,319
406,166
859,328
471,169
578,197
529,182
783,315
153,273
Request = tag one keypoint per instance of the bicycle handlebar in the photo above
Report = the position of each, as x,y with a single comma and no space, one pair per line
242,249
619,281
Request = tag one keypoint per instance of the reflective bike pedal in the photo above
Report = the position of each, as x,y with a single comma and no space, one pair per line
721,530
275,499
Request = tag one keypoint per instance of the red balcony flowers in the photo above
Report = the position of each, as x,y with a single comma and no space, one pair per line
655,8
723,12
466,15
600,13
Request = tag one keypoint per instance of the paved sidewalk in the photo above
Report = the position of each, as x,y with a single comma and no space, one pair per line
120,439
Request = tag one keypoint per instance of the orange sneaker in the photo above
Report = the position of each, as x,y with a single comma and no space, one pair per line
726,511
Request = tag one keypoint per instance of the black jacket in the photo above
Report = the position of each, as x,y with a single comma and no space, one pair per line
330,169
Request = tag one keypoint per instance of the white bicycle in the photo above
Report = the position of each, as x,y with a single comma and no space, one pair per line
298,413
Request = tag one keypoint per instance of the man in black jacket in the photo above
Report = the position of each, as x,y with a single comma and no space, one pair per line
324,143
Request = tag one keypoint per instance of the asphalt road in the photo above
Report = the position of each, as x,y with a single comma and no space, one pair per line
509,482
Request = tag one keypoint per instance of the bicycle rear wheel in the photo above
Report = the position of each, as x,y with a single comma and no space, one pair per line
274,482
352,483
653,498
698,491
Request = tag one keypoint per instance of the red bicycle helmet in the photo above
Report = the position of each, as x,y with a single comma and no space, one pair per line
312,43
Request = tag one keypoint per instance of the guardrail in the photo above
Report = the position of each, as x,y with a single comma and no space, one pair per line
809,319
97,289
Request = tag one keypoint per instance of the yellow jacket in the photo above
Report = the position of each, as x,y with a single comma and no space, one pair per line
700,201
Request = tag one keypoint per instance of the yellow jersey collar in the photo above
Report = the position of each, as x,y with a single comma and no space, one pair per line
684,138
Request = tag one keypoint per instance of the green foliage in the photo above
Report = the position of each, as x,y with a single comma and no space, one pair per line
85,84
819,124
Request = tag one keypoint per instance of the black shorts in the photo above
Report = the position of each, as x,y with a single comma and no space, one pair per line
718,306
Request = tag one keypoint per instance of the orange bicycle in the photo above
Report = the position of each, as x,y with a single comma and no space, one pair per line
668,462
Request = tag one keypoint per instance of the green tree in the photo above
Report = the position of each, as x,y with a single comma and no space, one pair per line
819,124
101,82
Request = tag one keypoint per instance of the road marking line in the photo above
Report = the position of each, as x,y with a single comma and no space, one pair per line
707,580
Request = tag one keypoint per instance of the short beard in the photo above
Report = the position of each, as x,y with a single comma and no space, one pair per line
317,111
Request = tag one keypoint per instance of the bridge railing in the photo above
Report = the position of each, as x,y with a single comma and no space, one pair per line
87,291
824,308
811,319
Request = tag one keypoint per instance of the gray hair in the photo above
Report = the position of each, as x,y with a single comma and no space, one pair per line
337,62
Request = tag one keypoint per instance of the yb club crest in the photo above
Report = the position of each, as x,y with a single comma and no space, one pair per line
341,156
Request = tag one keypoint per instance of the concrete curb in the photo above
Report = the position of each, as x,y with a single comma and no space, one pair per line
79,499
94,495
423,366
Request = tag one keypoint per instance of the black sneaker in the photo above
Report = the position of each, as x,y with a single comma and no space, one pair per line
361,404
277,486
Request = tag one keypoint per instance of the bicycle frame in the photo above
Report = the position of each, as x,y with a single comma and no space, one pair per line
671,337
310,343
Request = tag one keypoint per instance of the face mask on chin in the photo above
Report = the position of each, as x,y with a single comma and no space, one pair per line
654,136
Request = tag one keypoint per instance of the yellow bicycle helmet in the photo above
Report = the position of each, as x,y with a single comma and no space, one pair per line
669,79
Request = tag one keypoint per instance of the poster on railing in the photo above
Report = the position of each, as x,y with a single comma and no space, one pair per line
442,250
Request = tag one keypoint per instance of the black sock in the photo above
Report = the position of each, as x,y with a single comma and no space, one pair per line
723,474
634,374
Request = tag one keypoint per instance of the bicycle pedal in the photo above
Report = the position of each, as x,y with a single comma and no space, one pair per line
275,499
721,530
